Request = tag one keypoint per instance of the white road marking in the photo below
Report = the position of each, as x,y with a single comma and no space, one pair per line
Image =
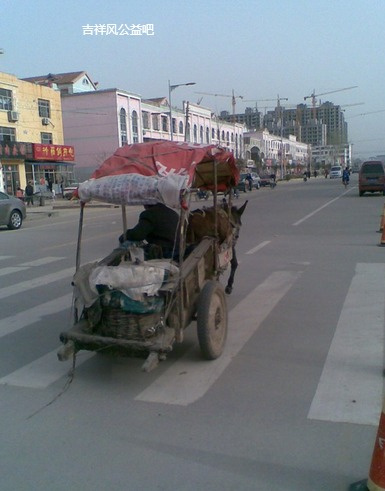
42,261
20,320
11,270
36,282
318,209
189,379
38,262
43,372
258,247
350,389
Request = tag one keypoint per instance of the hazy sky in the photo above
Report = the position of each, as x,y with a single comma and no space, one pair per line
258,48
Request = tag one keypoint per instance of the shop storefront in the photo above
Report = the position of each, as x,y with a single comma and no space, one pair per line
12,171
49,167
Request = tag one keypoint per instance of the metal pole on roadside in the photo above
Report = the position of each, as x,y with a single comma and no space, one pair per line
170,89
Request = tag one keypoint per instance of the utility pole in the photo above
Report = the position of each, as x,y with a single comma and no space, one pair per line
170,89
186,122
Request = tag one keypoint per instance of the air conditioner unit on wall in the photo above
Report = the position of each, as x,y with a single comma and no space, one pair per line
45,121
13,116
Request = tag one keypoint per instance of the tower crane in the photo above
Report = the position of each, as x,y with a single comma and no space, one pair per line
355,104
313,95
278,99
349,105
233,98
370,112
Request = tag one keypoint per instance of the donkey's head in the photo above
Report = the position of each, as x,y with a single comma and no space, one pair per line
235,215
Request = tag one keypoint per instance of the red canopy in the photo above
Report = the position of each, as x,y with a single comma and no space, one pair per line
161,158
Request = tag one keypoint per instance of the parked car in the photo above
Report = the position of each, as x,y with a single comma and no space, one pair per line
243,184
12,211
371,178
335,172
265,180
68,191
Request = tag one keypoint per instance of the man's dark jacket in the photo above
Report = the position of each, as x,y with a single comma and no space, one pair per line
158,225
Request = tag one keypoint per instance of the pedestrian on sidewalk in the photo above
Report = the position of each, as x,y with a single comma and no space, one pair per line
20,193
29,194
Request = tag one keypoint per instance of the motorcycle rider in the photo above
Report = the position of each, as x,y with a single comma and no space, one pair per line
345,176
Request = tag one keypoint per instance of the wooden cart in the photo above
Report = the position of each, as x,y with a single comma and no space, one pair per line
105,316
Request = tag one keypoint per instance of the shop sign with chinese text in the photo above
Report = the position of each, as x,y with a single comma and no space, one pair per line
42,151
15,150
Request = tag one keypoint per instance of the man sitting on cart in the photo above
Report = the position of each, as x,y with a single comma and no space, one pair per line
158,225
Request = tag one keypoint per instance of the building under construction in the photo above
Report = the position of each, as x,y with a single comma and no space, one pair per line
317,126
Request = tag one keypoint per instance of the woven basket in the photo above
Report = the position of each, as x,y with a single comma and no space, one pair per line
119,324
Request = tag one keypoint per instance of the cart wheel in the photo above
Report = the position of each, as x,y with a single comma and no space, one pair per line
212,320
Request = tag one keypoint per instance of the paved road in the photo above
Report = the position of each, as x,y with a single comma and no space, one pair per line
292,404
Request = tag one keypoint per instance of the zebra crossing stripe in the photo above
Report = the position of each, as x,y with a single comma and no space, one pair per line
172,388
23,319
42,372
36,282
351,384
11,270
22,267
42,261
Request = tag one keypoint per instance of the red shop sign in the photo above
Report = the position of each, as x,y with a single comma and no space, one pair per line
42,151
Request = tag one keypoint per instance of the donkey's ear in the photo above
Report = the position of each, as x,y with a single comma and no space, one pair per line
242,208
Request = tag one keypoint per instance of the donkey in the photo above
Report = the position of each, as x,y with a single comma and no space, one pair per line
202,224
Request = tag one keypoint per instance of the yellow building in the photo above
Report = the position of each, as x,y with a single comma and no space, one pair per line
31,137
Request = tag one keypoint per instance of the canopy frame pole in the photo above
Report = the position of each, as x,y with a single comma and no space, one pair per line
80,232
215,172
124,218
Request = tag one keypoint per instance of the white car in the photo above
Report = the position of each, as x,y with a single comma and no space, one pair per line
68,191
335,172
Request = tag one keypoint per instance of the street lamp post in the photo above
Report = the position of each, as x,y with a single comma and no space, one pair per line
170,89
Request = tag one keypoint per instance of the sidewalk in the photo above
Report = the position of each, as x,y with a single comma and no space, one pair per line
55,207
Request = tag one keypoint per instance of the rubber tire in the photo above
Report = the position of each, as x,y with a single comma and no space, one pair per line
15,220
212,320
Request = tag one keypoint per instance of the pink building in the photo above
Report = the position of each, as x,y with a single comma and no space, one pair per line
99,122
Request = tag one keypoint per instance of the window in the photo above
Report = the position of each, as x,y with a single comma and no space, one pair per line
201,134
173,125
164,123
46,137
207,135
135,131
7,134
145,120
123,126
181,127
44,108
195,133
155,121
213,133
6,99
